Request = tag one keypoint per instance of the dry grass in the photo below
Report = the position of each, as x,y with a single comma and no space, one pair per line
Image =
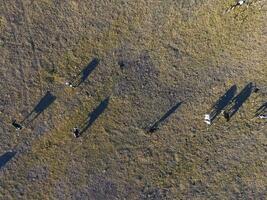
193,54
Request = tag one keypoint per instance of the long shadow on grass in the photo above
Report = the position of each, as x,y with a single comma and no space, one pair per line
239,100
261,110
157,124
93,116
6,157
43,104
222,102
85,73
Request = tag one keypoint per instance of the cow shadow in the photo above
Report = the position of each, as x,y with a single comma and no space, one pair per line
239,100
85,73
6,157
155,126
43,104
94,115
221,103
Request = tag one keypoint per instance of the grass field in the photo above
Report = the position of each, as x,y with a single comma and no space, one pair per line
153,54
